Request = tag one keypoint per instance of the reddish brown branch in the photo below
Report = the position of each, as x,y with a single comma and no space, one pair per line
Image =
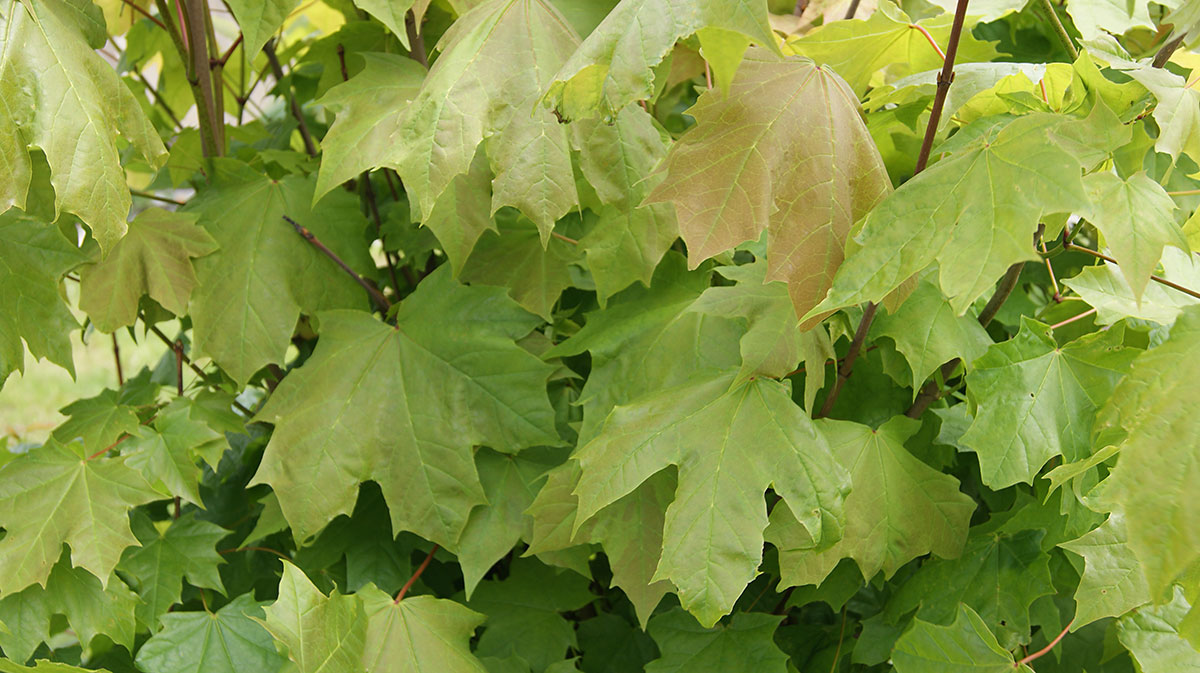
1067,245
1045,650
420,569
316,243
134,6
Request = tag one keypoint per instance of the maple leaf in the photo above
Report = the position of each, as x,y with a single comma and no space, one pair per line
615,65
1037,400
448,377
322,633
97,421
224,641
975,212
1157,458
33,257
1155,636
153,258
966,644
418,634
494,62
1113,582
1106,288
928,332
369,108
712,538
391,14
252,291
184,548
1120,203
744,644
630,239
859,48
62,98
260,19
785,152
167,454
898,508
53,495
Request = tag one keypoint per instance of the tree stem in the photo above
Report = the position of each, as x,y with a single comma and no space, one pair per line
945,77
1060,30
416,40
420,569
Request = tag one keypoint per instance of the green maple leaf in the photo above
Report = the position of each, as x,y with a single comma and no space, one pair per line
1100,18
418,634
323,634
260,19
729,445
1037,400
975,212
646,339
745,644
510,484
513,257
91,609
53,495
1106,288
998,575
391,14
253,290
167,454
153,258
97,421
1135,217
787,153
615,65
448,377
1158,459
495,60
523,612
61,97
1177,112
774,342
43,666
965,645
630,239
369,109
858,49
225,641
630,531
187,547
1112,582
928,332
898,508
463,212
1154,637
33,258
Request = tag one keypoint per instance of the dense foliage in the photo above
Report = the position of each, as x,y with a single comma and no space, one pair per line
552,335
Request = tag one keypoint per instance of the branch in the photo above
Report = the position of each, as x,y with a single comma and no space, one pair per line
420,569
117,359
1164,54
155,197
1067,245
199,372
143,12
309,146
199,75
945,77
416,40
312,238
1060,30
850,11
266,549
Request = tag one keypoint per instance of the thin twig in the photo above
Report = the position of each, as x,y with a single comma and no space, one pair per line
1060,30
229,52
567,239
266,549
144,13
1050,270
1184,192
851,10
178,348
1157,279
798,9
945,77
311,238
1072,319
420,569
117,359
1045,650
309,146
156,197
